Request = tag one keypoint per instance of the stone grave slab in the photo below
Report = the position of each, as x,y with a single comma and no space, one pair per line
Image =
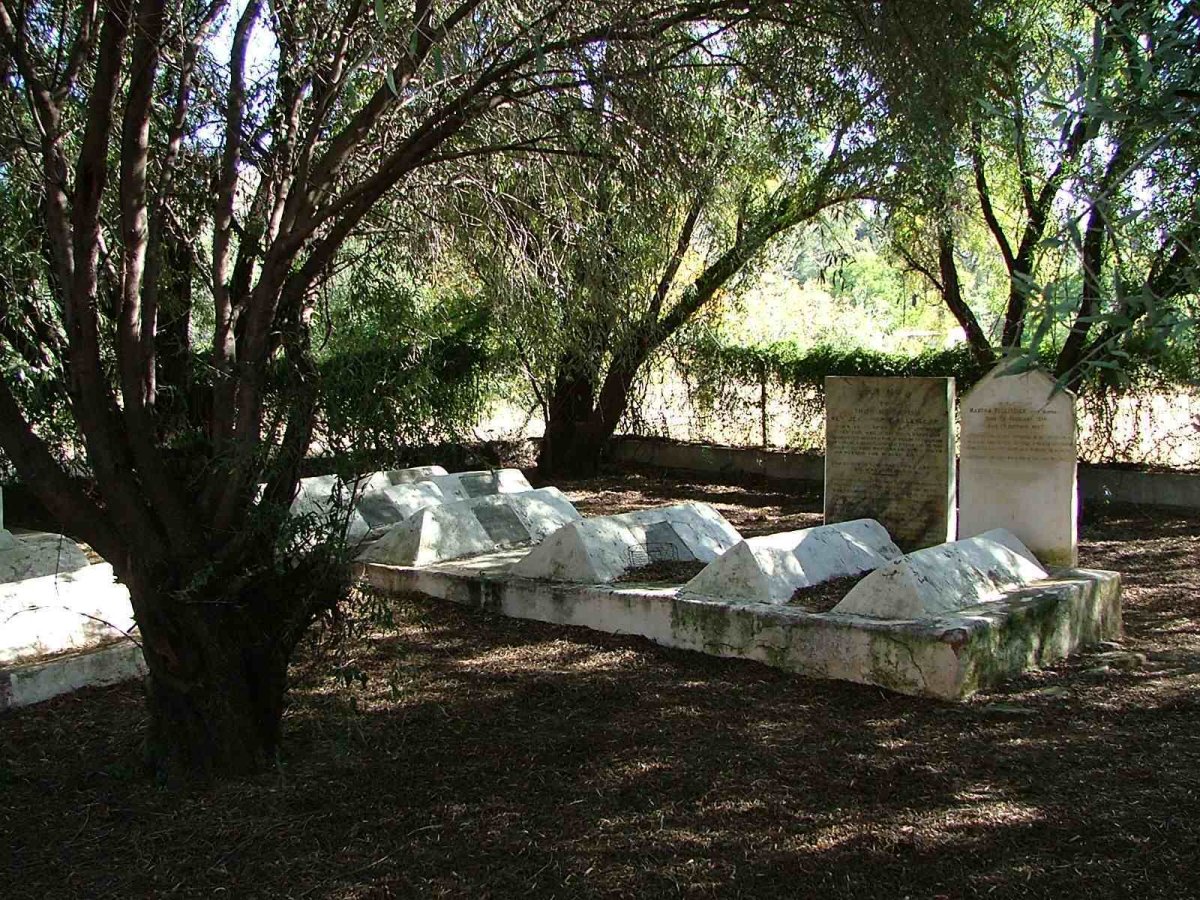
38,555
1017,463
771,568
56,613
600,550
383,508
472,527
483,483
942,580
889,456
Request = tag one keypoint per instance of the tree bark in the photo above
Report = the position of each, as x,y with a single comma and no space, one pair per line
218,659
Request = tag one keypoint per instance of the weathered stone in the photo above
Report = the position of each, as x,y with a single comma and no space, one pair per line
600,550
69,611
471,527
378,481
484,483
889,456
948,657
381,509
38,555
1017,466
770,569
941,580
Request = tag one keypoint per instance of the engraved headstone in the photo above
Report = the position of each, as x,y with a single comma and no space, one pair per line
1017,463
889,456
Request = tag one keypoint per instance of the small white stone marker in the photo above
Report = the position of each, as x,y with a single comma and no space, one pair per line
472,527
770,569
889,456
944,579
600,550
1017,465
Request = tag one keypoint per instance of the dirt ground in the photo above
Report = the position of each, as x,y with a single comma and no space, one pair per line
488,757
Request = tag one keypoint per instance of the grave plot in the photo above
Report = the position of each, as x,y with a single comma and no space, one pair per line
382,499
1007,614
64,623
604,549
770,569
473,527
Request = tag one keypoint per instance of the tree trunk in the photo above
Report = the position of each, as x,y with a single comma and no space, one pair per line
582,421
218,679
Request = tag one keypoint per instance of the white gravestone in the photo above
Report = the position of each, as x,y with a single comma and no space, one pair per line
1017,463
889,456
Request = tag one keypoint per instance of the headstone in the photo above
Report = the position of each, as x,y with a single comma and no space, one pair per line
944,579
600,550
771,568
889,456
1017,463
473,527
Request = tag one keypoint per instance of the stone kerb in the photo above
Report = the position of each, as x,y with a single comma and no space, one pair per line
602,549
472,527
1017,463
890,456
772,568
940,580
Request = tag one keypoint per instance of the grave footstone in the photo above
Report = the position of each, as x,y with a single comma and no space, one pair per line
1017,463
889,456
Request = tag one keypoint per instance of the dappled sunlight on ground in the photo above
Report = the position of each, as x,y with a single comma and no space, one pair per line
490,757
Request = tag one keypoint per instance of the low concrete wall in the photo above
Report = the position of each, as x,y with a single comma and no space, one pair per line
1096,483
948,658
28,684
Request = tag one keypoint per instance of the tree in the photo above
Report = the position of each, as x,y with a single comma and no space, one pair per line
1080,159
162,177
678,187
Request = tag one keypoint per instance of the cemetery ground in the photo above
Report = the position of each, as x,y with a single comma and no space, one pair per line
456,753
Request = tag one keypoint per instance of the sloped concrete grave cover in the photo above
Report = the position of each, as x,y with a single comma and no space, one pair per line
602,549
944,579
52,599
383,508
771,568
38,555
473,527
482,483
